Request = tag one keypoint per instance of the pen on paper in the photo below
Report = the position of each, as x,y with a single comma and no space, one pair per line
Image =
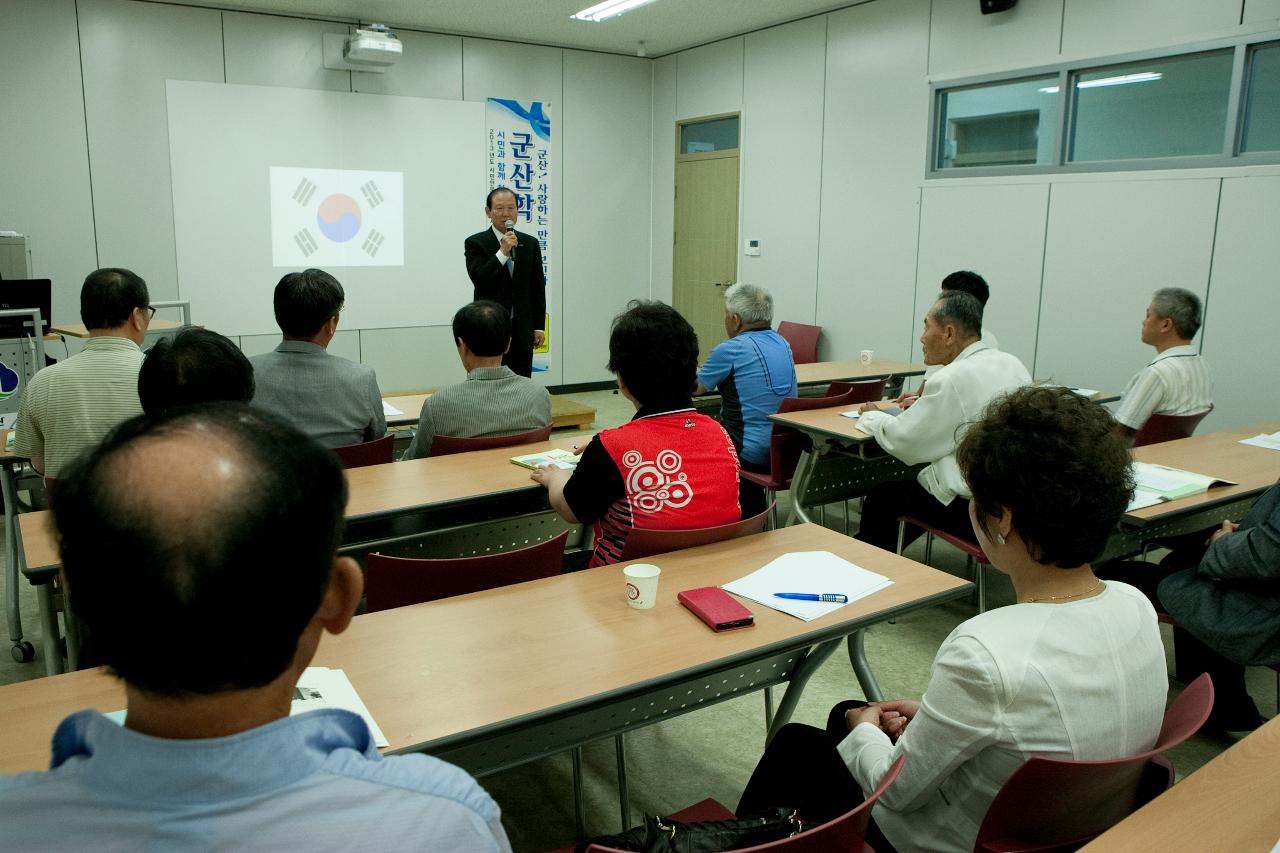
830,597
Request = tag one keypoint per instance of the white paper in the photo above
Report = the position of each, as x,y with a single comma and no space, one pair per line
319,687
807,571
852,413
1142,499
1269,441
390,411
1084,392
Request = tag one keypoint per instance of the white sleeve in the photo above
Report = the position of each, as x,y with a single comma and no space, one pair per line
926,432
959,716
1141,399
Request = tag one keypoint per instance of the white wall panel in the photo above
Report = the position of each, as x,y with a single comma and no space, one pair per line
44,169
413,358
962,39
782,163
1099,27
998,232
1262,12
605,261
709,79
265,50
663,179
431,67
1240,340
872,162
129,50
1110,245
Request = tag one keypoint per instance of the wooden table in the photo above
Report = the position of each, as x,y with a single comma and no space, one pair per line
22,650
564,411
1231,803
497,678
78,330
820,372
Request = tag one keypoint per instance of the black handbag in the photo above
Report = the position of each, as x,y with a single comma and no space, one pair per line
663,835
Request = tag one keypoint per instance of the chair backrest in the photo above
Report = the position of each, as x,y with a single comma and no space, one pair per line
376,452
400,581
1051,804
643,543
786,444
866,391
1160,428
803,339
844,833
445,445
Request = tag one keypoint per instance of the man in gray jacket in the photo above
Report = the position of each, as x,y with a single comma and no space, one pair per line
330,399
493,400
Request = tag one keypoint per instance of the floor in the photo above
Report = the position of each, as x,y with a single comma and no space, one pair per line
711,752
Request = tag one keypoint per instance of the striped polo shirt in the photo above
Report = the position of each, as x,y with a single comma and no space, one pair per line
1176,382
70,406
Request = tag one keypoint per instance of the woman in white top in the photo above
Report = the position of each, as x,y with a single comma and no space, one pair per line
1075,669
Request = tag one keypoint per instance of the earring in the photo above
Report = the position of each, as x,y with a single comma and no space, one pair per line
999,538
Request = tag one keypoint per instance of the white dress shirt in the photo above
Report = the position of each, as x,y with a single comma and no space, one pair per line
953,398
1082,680
1176,382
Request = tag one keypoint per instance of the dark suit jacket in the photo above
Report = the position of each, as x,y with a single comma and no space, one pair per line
1231,601
524,294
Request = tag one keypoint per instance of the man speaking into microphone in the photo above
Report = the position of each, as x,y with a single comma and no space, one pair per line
506,266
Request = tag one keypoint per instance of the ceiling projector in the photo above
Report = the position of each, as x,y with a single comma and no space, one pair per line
374,46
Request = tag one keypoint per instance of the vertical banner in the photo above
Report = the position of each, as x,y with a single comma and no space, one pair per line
520,159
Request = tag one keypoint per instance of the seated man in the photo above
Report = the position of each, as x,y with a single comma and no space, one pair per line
493,400
201,543
330,399
753,371
195,366
669,468
976,286
71,405
972,373
1177,381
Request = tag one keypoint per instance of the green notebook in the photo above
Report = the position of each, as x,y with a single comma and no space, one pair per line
556,458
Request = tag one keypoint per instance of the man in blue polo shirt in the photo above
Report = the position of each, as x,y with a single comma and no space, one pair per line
753,370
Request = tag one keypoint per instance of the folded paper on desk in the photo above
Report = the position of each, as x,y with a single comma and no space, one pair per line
390,411
554,457
319,687
810,571
888,410
1269,441
1155,484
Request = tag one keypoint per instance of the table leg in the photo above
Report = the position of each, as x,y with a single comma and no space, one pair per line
72,625
13,574
799,483
49,621
620,746
862,668
816,656
579,796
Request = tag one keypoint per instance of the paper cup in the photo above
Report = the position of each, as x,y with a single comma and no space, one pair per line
865,356
642,585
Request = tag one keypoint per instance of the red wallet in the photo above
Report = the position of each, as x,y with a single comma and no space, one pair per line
720,610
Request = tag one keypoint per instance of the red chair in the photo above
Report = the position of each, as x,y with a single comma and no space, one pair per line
803,340
376,452
643,543
866,391
845,833
976,561
400,581
1052,804
786,444
445,445
1160,428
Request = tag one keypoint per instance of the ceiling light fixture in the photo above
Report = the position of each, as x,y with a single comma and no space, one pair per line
1140,77
607,9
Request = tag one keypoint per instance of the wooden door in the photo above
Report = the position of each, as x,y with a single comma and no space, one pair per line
706,241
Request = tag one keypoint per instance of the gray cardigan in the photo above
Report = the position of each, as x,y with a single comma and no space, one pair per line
1231,601
492,401
331,399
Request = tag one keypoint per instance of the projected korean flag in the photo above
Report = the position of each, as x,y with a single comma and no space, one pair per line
336,218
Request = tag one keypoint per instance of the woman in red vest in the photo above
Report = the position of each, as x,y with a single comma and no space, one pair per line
668,468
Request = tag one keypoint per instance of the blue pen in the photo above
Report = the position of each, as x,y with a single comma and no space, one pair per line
832,597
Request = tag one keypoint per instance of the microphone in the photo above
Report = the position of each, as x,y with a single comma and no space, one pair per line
511,227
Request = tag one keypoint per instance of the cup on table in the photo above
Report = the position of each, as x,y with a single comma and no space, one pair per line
642,585
865,356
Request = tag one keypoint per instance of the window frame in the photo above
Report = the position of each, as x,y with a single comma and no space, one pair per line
1243,48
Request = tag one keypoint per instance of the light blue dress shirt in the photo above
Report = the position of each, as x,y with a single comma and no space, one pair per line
310,782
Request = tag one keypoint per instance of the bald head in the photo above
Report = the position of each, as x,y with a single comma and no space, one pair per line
198,544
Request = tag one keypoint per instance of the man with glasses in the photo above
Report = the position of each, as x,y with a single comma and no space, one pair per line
71,405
